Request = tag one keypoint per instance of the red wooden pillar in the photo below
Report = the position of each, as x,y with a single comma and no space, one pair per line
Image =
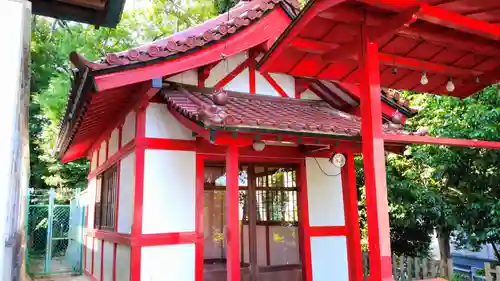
136,231
232,214
350,196
374,161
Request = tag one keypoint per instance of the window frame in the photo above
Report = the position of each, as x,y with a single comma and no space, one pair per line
106,199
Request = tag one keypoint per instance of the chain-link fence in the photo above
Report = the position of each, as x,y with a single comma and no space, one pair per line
54,237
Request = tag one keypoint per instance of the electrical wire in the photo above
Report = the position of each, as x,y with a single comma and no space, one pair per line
333,175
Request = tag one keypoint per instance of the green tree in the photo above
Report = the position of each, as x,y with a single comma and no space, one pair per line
52,42
462,183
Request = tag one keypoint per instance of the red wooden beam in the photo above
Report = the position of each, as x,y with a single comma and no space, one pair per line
421,65
406,139
199,213
260,32
442,17
232,214
293,30
452,40
491,77
387,110
304,226
377,208
390,26
274,84
148,93
327,231
313,46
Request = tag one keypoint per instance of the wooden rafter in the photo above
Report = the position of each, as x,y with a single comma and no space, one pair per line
442,17
318,47
390,26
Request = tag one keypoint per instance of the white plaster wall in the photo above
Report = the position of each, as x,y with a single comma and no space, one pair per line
126,194
88,258
102,153
91,189
309,95
286,82
262,87
97,259
93,163
240,83
169,191
128,130
189,77
107,274
225,67
161,124
123,263
171,262
324,193
113,142
329,258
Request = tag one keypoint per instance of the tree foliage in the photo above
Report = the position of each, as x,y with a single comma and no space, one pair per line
454,190
52,42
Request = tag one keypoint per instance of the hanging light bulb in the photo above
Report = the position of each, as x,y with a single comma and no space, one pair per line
394,70
424,79
450,87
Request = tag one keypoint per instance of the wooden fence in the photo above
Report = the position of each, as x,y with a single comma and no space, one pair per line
408,268
490,273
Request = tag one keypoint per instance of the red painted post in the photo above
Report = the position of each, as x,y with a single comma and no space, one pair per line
232,214
200,212
350,196
374,161
136,233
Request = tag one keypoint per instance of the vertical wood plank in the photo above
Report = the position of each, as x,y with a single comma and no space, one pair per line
394,265
487,272
401,267
442,265
425,271
497,272
434,268
408,268
417,268
365,265
450,269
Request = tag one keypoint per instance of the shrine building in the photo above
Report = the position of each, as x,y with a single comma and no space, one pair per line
226,151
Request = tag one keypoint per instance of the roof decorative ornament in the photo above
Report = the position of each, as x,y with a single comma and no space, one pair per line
220,97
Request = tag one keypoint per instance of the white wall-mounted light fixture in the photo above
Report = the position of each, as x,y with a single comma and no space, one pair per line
338,160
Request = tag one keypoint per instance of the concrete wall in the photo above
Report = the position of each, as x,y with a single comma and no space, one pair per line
15,31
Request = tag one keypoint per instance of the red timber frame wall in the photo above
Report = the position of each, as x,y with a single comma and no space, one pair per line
149,243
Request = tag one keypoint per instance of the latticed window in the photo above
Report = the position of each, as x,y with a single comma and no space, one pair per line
276,192
106,199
